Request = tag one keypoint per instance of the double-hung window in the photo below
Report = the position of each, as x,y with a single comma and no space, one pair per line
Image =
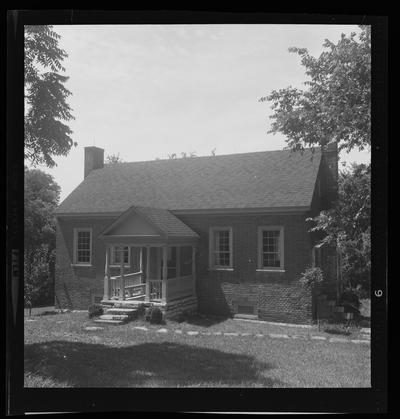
117,252
83,246
221,248
270,248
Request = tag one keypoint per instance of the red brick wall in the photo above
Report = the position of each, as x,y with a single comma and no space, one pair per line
76,287
278,296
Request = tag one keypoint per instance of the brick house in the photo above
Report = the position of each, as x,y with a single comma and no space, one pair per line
223,235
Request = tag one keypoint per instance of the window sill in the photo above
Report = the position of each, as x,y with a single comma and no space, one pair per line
81,265
221,269
270,270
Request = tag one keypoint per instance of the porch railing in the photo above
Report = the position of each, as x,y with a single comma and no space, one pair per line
133,285
155,289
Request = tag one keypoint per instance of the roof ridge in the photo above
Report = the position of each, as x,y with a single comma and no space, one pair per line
216,156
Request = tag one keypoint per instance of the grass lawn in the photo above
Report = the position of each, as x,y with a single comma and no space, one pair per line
60,353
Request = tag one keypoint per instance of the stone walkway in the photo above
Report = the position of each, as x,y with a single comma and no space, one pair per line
365,337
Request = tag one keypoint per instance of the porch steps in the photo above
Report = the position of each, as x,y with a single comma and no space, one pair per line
104,321
116,315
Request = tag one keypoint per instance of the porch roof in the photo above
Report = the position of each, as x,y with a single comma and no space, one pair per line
148,224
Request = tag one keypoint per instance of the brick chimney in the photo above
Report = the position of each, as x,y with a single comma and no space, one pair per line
94,159
331,156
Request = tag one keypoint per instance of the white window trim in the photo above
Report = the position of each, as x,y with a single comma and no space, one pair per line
260,268
211,265
75,256
117,265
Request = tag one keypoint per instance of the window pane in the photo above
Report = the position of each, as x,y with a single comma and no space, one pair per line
83,247
222,250
117,255
270,248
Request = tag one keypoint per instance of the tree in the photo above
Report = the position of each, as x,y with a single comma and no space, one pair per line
348,225
184,155
41,199
336,104
113,158
46,108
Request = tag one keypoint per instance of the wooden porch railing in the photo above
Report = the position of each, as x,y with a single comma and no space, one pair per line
155,289
132,286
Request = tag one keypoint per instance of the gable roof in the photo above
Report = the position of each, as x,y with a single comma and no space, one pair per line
167,224
269,179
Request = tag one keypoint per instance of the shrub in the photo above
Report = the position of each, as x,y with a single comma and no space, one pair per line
154,315
141,311
95,310
311,277
350,301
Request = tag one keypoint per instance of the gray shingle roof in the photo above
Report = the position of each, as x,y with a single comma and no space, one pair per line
269,179
166,222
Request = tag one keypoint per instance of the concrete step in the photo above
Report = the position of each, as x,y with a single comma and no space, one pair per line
115,322
122,317
116,310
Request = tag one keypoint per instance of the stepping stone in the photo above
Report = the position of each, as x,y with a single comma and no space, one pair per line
141,328
217,333
192,333
162,330
337,340
318,337
245,334
259,335
273,335
231,334
360,341
178,331
206,333
93,328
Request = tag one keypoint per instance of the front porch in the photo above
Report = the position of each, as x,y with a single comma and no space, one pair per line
150,258
164,274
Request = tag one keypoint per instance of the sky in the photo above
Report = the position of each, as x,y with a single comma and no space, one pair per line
146,91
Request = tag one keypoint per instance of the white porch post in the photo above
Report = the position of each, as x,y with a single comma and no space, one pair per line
141,259
194,269
164,274
122,288
147,297
107,275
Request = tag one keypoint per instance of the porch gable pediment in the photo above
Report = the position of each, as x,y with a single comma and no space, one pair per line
148,223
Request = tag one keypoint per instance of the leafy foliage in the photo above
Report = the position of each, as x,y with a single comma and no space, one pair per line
348,225
349,299
183,155
41,196
113,158
336,105
46,108
312,277
95,310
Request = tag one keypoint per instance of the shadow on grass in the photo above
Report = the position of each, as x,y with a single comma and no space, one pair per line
156,364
